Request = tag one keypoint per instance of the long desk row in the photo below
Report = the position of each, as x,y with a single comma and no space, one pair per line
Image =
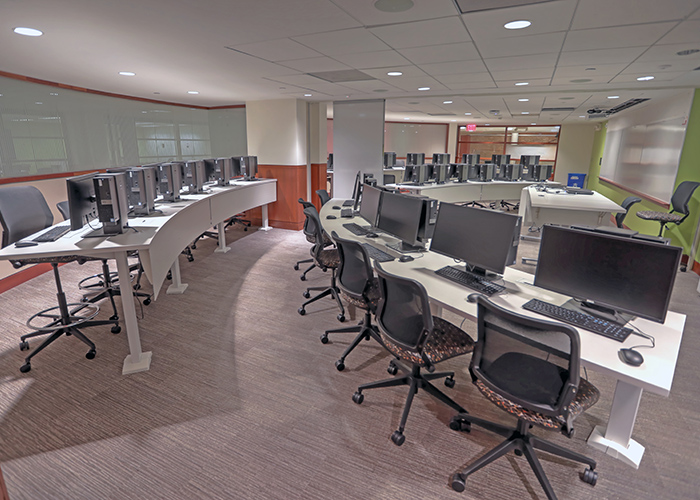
159,240
597,353
453,192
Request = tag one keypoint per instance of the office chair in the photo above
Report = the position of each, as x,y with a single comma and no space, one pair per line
323,195
679,205
411,333
358,287
23,212
626,204
236,219
530,368
310,234
324,259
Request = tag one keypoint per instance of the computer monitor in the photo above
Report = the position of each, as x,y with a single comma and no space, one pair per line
371,201
408,174
441,173
609,274
441,158
357,190
415,158
529,160
470,159
169,181
150,182
329,162
224,171
486,240
400,216
195,176
82,206
500,159
140,188
389,159
112,203
249,167
421,174
486,171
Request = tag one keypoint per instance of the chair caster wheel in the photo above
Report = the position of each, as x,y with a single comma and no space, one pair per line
449,382
114,317
24,346
458,483
302,277
190,258
169,276
245,228
341,317
398,438
518,453
91,354
392,369
115,329
358,397
296,267
193,247
340,366
147,301
25,367
457,424
306,294
302,311
589,476
324,338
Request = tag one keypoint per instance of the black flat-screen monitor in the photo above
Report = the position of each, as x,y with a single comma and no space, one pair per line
610,272
329,162
82,203
415,158
486,240
529,160
470,159
357,190
408,174
389,159
400,216
371,200
500,159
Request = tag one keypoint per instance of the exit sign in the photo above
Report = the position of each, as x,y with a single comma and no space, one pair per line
471,127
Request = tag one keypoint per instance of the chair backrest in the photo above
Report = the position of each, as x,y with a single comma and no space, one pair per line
681,196
323,194
316,229
626,204
63,208
23,211
403,313
309,230
531,362
355,269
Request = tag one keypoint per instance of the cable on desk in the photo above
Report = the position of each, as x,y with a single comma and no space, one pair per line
637,331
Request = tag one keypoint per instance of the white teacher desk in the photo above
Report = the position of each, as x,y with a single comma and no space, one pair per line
597,353
159,240
454,192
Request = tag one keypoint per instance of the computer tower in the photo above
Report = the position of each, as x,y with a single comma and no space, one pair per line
486,171
111,199
169,181
249,167
389,159
150,178
470,159
500,159
195,176
140,190
473,172
407,174
499,172
541,173
428,218
420,174
462,171
441,158
223,168
415,158
441,173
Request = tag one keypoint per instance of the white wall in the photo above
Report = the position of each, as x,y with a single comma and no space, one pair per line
227,131
575,149
276,131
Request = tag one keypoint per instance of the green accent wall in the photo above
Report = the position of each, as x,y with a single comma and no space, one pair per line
688,170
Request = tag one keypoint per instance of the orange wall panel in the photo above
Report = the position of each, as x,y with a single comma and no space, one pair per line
286,212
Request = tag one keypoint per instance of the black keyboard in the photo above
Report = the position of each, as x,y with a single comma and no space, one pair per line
377,254
347,212
52,234
356,229
470,280
348,203
590,323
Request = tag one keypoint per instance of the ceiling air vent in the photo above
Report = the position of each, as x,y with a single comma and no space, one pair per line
345,75
442,114
466,6
626,104
558,110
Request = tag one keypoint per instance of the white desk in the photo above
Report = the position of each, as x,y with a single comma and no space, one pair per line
597,353
159,240
453,192
555,206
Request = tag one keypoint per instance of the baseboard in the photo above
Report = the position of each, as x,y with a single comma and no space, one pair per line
23,276
3,489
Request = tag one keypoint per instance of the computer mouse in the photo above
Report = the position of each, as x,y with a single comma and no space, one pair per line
371,235
405,258
630,357
331,217
21,244
336,207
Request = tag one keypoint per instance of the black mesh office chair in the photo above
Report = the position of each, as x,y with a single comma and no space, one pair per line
679,207
358,287
310,234
323,195
626,204
529,368
411,333
324,259
24,211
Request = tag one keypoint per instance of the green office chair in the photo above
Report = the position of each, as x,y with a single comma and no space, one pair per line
679,207
529,368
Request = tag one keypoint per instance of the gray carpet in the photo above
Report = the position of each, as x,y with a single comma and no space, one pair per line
243,401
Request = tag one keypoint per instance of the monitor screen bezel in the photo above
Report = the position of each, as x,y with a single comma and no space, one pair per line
376,207
76,201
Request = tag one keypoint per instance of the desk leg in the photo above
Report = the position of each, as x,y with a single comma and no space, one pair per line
265,225
222,248
616,440
136,361
177,287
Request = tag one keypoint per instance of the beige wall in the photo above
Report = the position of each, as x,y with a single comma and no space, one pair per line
276,131
575,148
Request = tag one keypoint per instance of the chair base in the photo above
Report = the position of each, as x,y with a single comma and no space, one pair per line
415,380
520,441
365,330
332,291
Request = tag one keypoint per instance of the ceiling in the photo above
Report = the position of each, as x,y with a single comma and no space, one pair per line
575,54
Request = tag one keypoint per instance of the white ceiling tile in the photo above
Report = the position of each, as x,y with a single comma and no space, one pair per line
521,62
522,45
584,71
441,53
381,73
454,68
533,82
546,17
471,85
343,42
422,33
617,37
559,101
569,80
370,86
282,49
412,84
299,80
686,32
601,56
660,77
367,14
668,54
654,67
465,77
315,64
522,74
600,13
366,60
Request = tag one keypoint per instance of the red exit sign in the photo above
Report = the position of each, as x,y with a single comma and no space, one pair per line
471,127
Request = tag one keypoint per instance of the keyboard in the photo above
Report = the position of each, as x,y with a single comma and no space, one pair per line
348,203
347,212
470,280
585,321
377,254
52,234
356,229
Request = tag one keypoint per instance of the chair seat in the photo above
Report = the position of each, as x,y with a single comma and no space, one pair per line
445,341
587,395
660,216
368,301
329,258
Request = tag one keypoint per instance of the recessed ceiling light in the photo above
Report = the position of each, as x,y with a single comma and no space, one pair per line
406,118
393,5
644,78
53,93
582,116
38,102
423,88
468,114
308,95
156,92
687,52
0,95
590,69
524,100
127,73
28,31
582,80
520,84
193,92
487,124
453,120
394,73
533,124
517,25
447,102
524,112
613,97
565,98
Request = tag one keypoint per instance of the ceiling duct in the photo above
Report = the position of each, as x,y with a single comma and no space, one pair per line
604,113
344,75
559,110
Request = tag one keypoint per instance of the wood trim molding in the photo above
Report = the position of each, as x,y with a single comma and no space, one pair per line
319,180
636,193
286,212
43,177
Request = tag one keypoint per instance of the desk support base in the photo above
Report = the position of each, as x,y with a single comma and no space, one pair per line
141,364
631,455
265,222
177,287
221,248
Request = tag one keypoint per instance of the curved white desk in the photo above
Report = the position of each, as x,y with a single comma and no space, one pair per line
453,192
556,206
159,240
597,352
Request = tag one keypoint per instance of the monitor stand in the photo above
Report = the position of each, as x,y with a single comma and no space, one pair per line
603,312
